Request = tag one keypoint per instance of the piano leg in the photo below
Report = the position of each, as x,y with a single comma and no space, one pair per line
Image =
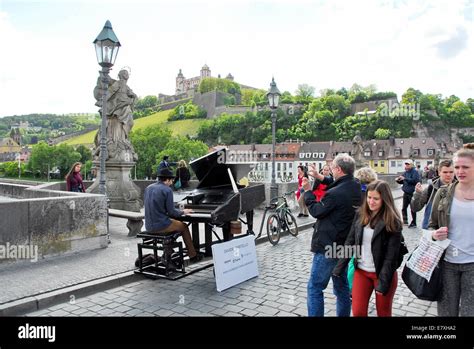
226,232
195,231
249,215
208,239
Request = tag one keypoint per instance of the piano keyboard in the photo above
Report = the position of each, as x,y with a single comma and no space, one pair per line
198,215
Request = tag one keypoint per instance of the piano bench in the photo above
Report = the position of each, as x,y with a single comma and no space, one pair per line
169,261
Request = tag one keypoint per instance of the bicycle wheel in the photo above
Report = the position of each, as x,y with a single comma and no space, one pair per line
289,223
273,228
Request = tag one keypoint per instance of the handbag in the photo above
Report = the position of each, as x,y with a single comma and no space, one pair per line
422,288
177,184
350,273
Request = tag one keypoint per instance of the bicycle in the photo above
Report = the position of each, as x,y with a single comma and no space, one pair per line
281,220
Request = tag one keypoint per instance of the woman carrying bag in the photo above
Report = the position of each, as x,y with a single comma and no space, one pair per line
182,176
452,217
376,232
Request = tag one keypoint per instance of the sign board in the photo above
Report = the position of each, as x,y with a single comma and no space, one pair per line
235,261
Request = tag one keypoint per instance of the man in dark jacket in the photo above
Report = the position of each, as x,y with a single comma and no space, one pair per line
408,179
334,213
165,164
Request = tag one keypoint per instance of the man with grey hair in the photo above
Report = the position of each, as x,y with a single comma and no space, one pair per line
334,213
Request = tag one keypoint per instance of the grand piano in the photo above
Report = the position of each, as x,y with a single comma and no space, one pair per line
217,199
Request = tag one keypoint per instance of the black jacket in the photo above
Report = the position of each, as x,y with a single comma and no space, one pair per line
334,213
385,250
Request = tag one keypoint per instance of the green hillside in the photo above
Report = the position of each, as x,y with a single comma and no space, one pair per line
180,127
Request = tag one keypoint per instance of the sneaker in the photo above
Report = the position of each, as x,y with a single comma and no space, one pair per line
306,215
196,258
300,215
412,225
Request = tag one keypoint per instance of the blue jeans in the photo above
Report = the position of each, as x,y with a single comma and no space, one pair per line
321,272
426,218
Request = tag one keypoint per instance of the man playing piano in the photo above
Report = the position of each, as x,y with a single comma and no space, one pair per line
160,211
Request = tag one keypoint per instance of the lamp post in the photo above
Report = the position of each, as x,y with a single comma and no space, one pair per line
273,96
106,49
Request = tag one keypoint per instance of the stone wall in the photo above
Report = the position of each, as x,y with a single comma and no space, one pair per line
54,221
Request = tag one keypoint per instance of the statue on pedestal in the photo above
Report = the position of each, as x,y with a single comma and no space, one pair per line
358,151
120,102
122,193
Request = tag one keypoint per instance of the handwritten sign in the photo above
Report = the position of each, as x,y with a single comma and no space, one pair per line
235,261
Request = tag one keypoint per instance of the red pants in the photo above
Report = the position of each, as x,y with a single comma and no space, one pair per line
362,288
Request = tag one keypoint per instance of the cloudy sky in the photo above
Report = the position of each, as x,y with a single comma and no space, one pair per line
48,63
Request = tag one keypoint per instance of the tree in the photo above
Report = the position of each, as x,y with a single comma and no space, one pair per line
382,133
85,152
182,148
470,104
42,156
148,142
287,98
411,96
64,157
459,115
304,93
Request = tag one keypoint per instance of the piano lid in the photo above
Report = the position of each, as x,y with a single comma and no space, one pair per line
211,169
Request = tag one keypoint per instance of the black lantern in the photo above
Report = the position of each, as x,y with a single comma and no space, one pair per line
273,95
106,46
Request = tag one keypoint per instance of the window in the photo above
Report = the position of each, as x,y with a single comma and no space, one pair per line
290,165
430,152
278,166
399,163
398,152
380,152
367,153
308,155
393,164
382,163
315,155
416,152
376,163
284,166
322,155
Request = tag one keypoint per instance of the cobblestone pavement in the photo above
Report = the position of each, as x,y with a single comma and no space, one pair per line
279,290
23,279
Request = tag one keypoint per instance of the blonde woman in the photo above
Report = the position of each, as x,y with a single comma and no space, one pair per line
451,217
183,174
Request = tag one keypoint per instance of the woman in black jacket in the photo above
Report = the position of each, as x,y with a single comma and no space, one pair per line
182,174
375,237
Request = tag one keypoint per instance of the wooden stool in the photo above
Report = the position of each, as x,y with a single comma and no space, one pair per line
170,260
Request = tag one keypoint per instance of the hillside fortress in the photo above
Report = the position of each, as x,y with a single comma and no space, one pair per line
184,85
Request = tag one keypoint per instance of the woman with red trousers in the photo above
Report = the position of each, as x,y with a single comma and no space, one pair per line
376,236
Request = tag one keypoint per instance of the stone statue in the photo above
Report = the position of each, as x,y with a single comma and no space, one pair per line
358,150
120,102
120,157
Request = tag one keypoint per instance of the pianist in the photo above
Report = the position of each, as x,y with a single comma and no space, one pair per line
160,211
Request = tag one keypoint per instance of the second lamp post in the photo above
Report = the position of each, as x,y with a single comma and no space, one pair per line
273,96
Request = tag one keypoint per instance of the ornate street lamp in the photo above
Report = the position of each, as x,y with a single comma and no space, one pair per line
273,96
106,49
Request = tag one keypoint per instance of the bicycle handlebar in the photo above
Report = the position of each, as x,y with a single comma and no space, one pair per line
283,196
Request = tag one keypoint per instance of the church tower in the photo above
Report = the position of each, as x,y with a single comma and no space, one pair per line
180,83
205,72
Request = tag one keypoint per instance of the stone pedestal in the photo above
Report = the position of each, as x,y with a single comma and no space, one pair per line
122,193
